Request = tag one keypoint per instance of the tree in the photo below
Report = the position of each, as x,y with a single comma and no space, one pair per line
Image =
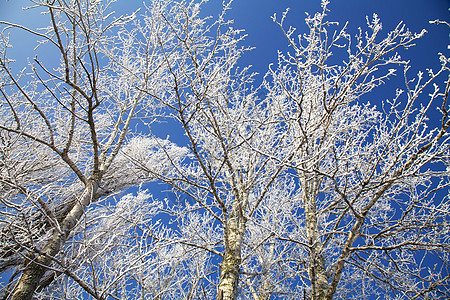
298,188
369,180
62,128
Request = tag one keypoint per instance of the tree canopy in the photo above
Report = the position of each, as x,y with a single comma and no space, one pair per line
298,185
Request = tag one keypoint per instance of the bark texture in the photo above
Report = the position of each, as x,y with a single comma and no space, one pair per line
229,269
37,266
316,268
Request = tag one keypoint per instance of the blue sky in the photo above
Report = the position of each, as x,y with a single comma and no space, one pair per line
265,36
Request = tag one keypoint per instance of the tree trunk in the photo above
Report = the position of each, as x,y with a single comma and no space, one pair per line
36,267
316,268
229,276
229,269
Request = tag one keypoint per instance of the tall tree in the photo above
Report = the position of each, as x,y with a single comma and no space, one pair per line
63,124
373,182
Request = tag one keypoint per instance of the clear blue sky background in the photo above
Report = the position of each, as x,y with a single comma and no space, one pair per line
254,17
266,37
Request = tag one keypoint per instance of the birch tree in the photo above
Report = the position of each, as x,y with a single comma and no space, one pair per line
211,100
63,123
373,181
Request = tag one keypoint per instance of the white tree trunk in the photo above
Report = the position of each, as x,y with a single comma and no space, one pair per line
37,266
229,269
316,268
